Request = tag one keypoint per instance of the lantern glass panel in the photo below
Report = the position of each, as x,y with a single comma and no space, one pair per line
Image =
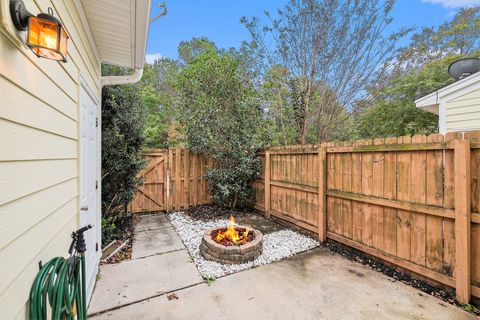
63,42
43,36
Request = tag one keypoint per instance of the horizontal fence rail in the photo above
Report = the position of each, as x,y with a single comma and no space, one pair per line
411,201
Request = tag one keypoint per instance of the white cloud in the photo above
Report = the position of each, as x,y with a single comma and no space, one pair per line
453,3
151,57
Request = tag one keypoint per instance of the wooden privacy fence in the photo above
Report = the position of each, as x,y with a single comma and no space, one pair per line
174,179
411,201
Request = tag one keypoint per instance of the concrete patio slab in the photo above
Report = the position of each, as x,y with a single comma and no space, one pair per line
134,280
157,241
314,285
152,222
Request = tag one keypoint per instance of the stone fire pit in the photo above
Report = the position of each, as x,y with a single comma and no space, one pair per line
231,254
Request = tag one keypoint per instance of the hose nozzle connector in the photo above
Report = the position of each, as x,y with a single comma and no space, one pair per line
79,239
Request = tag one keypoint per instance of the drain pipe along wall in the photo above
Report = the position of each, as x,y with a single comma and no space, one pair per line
120,80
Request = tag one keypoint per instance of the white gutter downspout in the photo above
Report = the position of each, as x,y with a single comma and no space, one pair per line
119,80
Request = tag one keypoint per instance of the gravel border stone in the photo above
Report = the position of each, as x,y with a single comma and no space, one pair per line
276,245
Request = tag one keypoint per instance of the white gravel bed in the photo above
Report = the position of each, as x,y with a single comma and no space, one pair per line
276,245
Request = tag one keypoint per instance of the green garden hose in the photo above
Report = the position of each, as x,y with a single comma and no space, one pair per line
60,285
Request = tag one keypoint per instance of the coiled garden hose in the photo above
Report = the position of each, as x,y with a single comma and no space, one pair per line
60,285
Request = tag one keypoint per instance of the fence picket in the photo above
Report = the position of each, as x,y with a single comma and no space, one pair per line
463,220
367,183
404,218
378,171
418,195
434,246
390,192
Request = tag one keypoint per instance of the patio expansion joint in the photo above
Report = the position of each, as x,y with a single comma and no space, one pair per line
160,254
152,229
147,298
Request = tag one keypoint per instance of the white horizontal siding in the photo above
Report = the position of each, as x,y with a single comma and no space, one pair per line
463,113
19,216
22,69
16,294
467,109
39,130
33,112
28,243
84,53
468,96
22,178
37,144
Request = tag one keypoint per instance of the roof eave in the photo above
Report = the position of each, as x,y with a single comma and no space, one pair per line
432,101
129,19
142,17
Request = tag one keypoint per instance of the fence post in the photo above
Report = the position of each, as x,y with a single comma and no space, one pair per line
322,183
462,220
166,185
267,184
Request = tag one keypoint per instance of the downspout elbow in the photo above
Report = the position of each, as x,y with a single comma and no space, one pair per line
120,80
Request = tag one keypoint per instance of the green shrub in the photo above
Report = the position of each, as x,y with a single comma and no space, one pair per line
123,119
108,230
223,120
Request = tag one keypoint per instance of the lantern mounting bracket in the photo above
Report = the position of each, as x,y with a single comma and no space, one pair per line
19,14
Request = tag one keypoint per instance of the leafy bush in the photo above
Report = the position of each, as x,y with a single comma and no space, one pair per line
223,120
108,230
123,118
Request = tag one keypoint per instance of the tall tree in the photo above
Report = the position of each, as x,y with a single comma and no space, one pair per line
162,129
223,120
459,36
333,47
191,49
418,69
277,88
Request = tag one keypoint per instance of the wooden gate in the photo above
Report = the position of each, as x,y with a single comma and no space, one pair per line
151,195
174,179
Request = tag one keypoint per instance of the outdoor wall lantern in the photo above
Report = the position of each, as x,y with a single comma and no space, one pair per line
46,36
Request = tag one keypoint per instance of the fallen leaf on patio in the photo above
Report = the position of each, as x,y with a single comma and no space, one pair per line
172,296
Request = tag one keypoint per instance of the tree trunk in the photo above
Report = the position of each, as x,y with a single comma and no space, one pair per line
305,112
310,80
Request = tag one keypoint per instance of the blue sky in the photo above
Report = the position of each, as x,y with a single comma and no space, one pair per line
219,20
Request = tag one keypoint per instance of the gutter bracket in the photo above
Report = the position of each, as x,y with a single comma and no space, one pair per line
160,5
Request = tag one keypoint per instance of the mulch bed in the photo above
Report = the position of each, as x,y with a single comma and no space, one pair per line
377,265
209,212
127,226
278,242
243,216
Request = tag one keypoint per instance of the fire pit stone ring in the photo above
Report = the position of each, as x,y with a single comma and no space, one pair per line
233,254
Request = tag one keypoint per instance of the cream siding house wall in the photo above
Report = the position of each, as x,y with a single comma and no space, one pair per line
39,151
463,113
457,105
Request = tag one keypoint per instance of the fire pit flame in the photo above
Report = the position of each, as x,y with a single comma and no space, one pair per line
231,234
231,244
